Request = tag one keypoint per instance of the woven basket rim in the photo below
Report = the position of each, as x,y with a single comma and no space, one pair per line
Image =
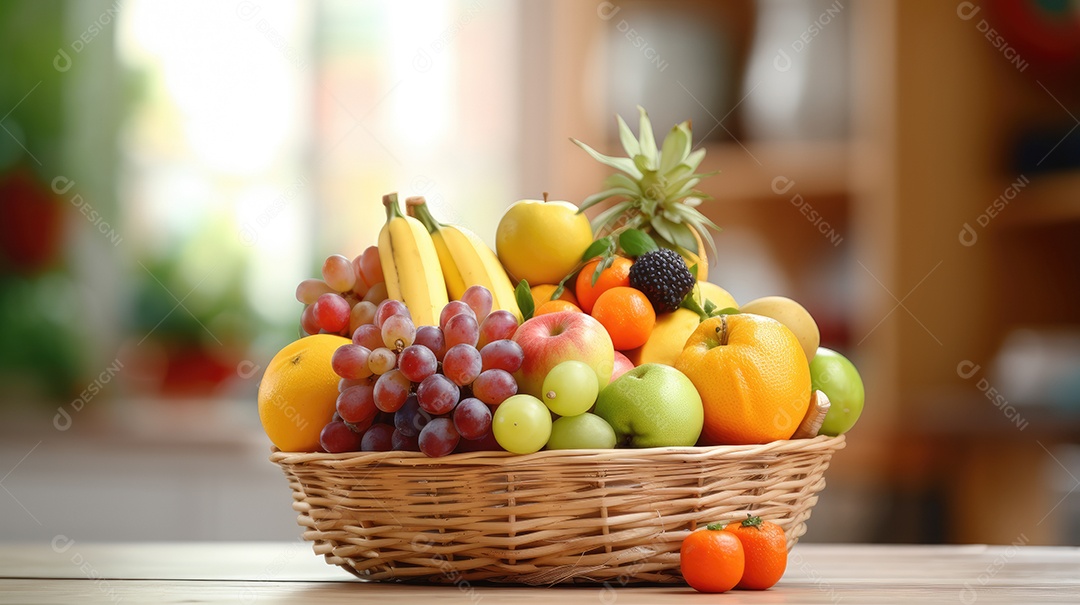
587,456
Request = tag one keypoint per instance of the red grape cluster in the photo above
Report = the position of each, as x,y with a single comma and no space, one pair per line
345,297
430,388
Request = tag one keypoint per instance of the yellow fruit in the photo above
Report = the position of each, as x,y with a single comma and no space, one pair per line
541,294
667,339
298,392
791,314
709,291
752,376
540,241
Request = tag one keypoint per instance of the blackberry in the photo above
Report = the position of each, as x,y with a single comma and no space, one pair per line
663,277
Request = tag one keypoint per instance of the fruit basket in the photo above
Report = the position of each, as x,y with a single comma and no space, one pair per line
559,516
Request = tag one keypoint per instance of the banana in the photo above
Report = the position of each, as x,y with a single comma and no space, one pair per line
466,259
411,265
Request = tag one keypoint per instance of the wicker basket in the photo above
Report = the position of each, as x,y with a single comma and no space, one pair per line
614,516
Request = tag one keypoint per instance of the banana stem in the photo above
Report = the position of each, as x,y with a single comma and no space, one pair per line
392,210
418,209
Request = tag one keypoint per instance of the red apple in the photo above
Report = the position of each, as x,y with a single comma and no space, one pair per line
622,365
547,340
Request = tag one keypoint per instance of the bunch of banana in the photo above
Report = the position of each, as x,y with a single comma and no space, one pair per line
410,265
466,259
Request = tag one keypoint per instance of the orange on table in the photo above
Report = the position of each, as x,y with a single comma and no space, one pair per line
765,548
628,316
298,393
541,293
712,560
753,378
554,306
618,274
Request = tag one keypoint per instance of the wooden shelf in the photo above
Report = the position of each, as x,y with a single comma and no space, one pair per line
757,171
1050,199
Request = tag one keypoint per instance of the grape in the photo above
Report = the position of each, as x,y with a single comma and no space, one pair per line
376,294
453,309
462,364
336,417
521,424
461,328
356,404
332,312
309,290
472,418
368,267
390,391
437,394
498,325
368,335
410,417
382,360
362,313
307,320
345,383
398,332
503,354
336,437
417,362
432,338
351,361
479,300
487,443
389,308
378,438
404,443
494,386
438,438
570,388
359,427
338,273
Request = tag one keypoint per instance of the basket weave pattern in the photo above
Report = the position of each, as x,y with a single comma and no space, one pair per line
544,518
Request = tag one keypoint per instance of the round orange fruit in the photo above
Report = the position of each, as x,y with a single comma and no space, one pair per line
541,293
298,392
753,378
555,306
618,274
627,315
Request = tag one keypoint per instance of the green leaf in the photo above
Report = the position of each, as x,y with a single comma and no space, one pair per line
609,215
680,234
620,180
694,271
597,248
694,159
689,302
644,164
606,262
635,242
524,298
710,306
645,136
725,311
557,292
660,226
624,164
676,146
627,138
603,195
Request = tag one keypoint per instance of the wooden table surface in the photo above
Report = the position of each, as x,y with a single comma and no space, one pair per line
69,571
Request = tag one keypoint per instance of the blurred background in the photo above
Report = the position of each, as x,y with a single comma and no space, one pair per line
909,171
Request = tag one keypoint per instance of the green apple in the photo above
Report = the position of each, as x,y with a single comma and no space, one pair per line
582,432
837,377
653,405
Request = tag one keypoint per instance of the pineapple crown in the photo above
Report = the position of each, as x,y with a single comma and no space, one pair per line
657,184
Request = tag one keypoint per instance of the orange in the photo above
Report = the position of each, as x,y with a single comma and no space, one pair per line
628,316
618,274
753,378
554,306
298,393
765,548
541,293
712,560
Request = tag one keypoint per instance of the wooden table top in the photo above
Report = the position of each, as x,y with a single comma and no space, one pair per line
69,571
